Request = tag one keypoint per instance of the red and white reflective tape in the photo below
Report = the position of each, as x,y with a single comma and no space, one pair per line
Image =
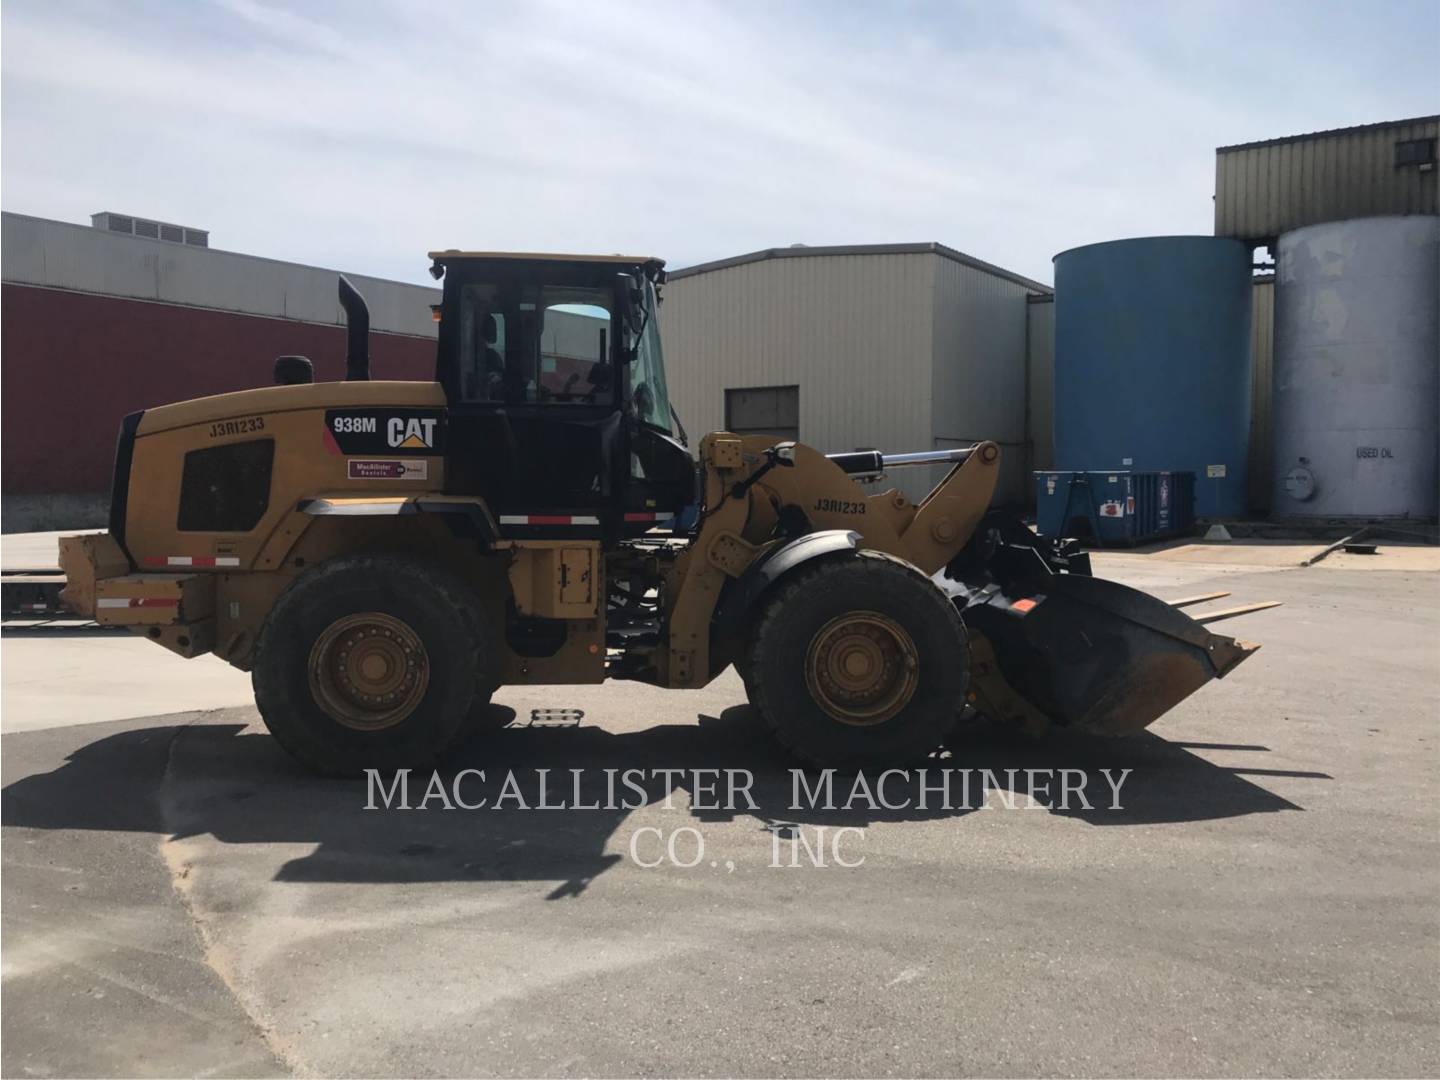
549,519
137,601
192,560
651,516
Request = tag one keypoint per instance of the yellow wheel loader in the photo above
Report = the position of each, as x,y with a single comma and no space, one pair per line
382,556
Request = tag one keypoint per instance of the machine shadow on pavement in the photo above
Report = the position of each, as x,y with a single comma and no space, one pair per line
209,778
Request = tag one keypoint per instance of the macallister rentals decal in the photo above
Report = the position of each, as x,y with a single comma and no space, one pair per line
385,431
367,469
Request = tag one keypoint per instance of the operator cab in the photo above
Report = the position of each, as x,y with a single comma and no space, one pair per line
559,415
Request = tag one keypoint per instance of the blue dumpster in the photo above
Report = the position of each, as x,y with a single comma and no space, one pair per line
1115,507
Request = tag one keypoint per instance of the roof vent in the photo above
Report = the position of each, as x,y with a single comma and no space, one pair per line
150,230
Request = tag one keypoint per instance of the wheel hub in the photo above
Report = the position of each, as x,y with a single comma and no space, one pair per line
368,671
862,668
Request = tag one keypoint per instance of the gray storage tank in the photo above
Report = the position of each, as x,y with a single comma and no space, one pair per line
1356,407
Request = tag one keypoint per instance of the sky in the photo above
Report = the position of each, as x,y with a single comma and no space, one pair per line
361,135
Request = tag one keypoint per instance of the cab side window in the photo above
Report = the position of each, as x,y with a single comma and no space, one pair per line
546,344
482,345
574,345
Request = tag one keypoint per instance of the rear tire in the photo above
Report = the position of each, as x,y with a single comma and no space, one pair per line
372,661
857,662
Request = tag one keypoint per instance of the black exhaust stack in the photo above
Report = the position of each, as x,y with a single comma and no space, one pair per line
357,332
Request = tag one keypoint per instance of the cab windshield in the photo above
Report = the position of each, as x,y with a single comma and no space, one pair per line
648,394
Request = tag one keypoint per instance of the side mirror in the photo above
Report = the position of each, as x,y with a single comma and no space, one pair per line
631,285
633,298
783,454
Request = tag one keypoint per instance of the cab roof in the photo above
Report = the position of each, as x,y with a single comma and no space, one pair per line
454,255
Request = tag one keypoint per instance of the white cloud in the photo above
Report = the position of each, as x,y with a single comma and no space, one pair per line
360,135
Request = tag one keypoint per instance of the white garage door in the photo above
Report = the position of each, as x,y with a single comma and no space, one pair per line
764,410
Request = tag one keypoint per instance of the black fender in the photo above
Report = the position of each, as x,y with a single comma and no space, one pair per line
741,596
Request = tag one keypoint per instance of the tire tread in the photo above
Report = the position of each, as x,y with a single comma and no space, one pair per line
805,582
440,585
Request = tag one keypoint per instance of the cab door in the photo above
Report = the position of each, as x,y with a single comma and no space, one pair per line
535,427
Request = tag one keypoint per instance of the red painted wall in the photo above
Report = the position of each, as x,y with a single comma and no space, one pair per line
73,364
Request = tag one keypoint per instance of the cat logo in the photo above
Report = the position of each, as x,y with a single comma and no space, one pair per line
377,433
412,433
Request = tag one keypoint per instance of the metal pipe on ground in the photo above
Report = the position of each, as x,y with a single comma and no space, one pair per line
1352,538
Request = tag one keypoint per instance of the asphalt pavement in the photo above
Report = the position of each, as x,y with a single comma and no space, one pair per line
180,899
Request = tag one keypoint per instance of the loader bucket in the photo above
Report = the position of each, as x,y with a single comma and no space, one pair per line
1096,655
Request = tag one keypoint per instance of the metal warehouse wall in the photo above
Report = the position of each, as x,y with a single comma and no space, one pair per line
897,350
1262,351
94,325
62,255
1040,326
1264,189
76,363
978,384
854,332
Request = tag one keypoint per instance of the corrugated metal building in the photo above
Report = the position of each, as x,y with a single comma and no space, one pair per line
79,258
1262,360
891,346
1263,189
96,323
1040,356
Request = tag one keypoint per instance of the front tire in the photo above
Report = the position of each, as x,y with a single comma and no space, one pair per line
372,661
857,662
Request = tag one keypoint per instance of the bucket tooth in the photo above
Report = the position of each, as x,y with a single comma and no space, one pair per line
1230,653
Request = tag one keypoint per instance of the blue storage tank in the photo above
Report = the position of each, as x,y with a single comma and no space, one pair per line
1152,362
